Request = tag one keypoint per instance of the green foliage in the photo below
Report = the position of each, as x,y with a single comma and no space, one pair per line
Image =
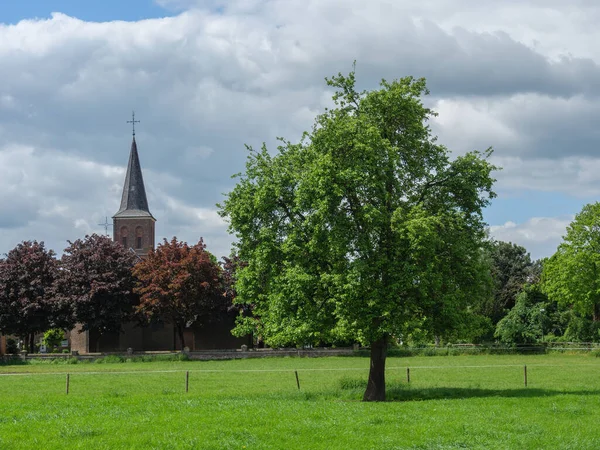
53,337
512,268
364,229
350,383
110,359
52,361
581,328
525,322
571,276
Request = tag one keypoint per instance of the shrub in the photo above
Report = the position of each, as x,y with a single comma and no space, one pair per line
110,359
53,337
349,383
11,346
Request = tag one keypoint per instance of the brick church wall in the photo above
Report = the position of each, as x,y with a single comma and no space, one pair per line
80,342
130,226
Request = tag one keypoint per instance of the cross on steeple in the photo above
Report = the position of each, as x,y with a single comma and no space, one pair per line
133,121
105,225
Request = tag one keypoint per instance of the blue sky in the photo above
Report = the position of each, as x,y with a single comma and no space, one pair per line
206,77
13,11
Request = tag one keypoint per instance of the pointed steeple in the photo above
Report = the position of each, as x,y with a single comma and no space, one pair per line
133,201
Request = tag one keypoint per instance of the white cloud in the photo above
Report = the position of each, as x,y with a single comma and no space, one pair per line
523,78
539,235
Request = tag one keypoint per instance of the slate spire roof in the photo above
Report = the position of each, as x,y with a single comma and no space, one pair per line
133,201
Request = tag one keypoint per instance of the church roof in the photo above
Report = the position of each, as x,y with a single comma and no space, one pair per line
133,201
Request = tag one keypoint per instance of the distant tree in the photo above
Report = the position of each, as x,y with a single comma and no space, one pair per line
512,269
528,320
331,226
179,284
571,276
26,299
579,327
95,284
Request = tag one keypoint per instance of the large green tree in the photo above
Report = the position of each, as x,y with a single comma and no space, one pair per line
364,229
572,275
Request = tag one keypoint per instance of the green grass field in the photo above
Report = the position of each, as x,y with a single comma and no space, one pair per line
452,402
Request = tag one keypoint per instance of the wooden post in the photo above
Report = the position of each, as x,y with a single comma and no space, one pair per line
407,375
187,380
67,384
525,374
297,379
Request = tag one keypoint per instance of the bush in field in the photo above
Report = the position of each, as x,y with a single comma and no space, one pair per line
53,337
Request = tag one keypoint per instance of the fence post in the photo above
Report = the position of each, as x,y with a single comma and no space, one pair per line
407,375
67,384
297,379
525,374
187,381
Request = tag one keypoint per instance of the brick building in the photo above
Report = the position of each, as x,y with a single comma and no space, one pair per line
133,227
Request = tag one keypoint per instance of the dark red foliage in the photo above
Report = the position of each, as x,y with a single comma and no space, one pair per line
95,283
179,284
26,278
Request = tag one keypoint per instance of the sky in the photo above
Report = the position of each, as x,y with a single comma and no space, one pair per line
206,77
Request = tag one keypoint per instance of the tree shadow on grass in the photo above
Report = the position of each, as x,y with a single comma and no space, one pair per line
403,393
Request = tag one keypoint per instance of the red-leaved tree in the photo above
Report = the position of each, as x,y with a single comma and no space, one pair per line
26,278
179,284
95,283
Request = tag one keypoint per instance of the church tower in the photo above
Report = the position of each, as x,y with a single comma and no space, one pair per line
133,224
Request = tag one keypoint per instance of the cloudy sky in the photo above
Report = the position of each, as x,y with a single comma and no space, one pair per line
205,77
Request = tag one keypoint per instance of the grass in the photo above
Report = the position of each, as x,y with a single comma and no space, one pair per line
452,402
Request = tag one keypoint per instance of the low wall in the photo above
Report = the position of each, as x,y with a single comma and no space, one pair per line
269,353
201,355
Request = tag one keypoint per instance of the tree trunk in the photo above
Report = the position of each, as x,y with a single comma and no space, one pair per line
376,385
596,314
31,343
180,334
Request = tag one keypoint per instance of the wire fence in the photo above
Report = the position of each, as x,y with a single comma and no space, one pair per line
483,376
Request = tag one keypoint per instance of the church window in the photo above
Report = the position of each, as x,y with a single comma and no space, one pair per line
124,232
139,233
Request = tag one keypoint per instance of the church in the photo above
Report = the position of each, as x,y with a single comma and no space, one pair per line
134,228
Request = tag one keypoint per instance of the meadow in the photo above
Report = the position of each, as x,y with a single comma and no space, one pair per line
451,402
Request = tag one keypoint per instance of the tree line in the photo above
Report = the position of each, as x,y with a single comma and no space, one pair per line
558,298
101,285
